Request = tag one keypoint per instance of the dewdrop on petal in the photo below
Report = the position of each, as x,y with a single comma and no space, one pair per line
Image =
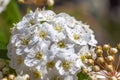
44,42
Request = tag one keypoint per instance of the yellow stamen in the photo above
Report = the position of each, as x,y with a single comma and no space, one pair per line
37,74
57,28
25,42
39,55
76,37
82,57
51,64
43,34
66,65
61,44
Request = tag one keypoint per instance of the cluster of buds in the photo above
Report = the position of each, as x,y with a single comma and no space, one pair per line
39,3
13,77
4,68
105,65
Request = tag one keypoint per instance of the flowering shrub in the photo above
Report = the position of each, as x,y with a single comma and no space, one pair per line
44,45
48,46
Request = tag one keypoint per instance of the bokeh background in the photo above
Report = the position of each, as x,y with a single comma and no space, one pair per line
103,16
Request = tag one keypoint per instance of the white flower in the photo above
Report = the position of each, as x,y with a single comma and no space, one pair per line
70,21
39,55
68,63
37,73
61,46
17,63
3,4
44,42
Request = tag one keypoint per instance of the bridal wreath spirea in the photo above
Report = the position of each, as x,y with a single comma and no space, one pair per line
47,46
3,4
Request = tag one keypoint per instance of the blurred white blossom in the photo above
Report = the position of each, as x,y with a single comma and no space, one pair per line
46,45
3,4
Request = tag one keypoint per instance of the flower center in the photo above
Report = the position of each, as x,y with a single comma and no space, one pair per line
76,37
43,34
37,74
61,44
82,57
39,55
51,64
32,22
25,41
58,28
66,65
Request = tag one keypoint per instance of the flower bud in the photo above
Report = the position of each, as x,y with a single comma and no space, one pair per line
118,46
98,47
113,51
90,62
96,68
85,70
106,46
11,77
4,79
21,1
27,77
100,60
50,2
89,56
99,52
109,68
109,58
39,2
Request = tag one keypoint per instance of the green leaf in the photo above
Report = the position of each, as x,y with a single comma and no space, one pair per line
12,13
49,7
82,76
3,46
3,37
3,54
7,18
3,50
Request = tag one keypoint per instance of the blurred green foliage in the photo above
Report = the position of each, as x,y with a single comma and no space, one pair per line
7,18
82,76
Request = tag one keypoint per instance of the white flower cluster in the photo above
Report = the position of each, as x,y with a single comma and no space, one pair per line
3,4
47,46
